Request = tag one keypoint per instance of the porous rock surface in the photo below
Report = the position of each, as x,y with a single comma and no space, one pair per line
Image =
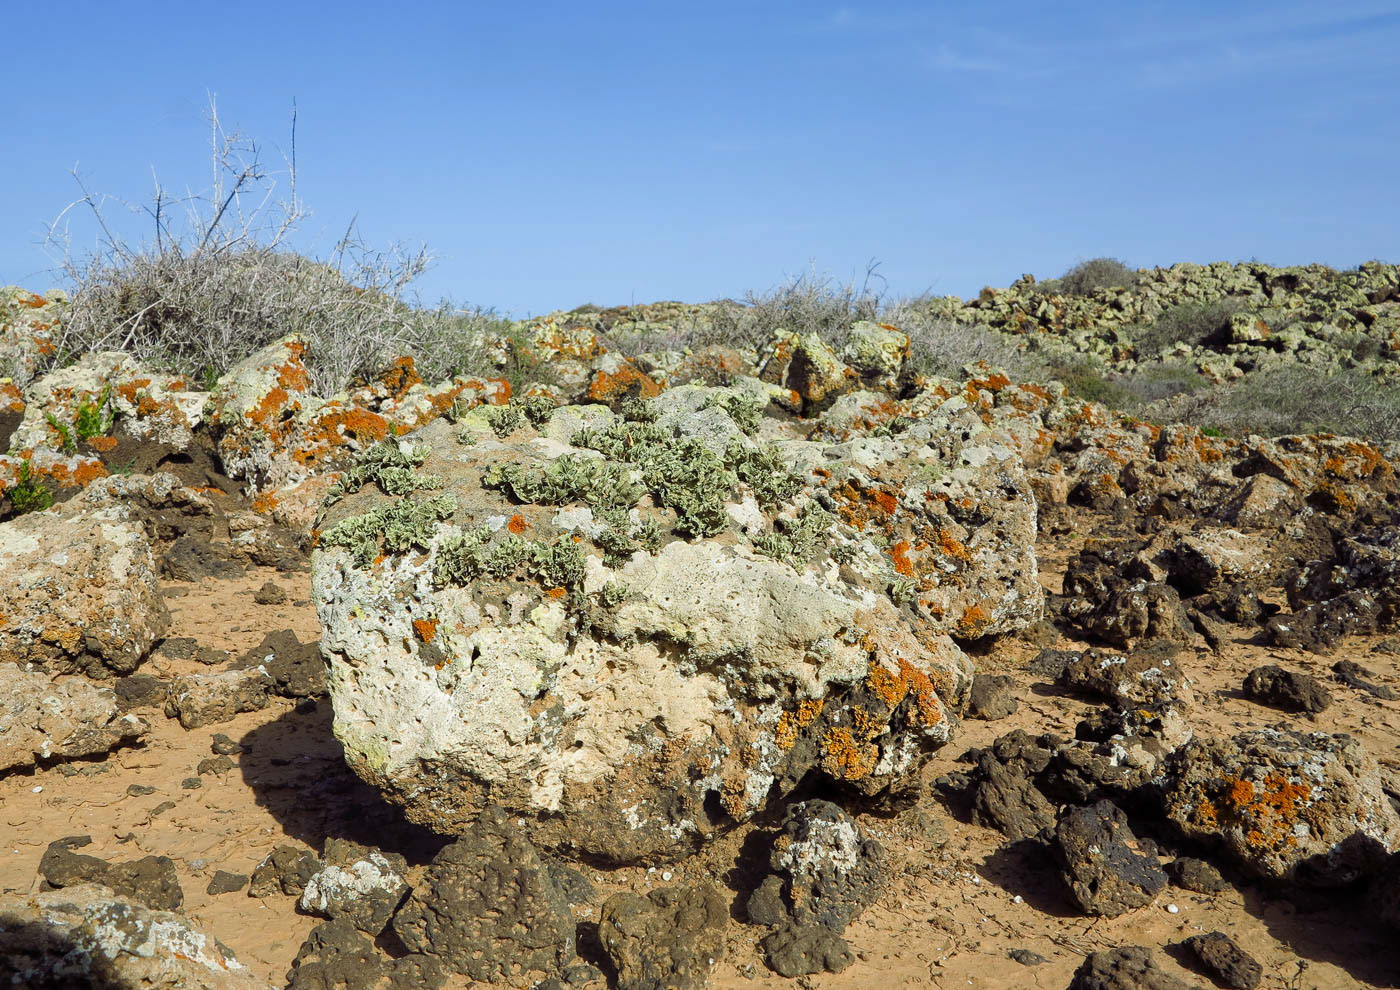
1105,872
670,939
43,718
631,630
86,936
362,885
150,880
488,908
1305,807
1128,967
78,589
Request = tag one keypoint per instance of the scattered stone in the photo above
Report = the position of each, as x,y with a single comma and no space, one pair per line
575,885
215,765
671,939
296,668
139,790
191,783
1190,873
1353,675
1287,689
198,700
225,746
87,936
799,951
1050,664
1310,808
1102,867
42,719
359,884
1225,961
488,907
993,696
285,870
193,559
140,691
1027,958
269,594
189,648
226,883
150,880
1128,967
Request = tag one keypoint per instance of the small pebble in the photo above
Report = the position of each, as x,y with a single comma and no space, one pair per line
139,790
190,783
667,876
37,789
1173,909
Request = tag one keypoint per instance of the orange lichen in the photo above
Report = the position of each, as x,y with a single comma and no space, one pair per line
264,502
556,592
401,377
899,554
516,524
789,722
892,688
952,547
102,444
425,629
1266,812
626,382
859,506
845,757
974,622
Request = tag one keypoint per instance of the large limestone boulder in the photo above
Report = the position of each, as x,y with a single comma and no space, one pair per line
633,631
64,719
78,589
90,937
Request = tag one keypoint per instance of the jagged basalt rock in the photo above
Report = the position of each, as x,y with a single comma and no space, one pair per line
1308,808
488,908
285,870
634,631
1225,961
364,886
1128,967
1287,689
671,939
1149,677
1104,871
150,880
338,956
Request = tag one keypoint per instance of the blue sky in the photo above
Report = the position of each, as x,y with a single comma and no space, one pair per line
555,153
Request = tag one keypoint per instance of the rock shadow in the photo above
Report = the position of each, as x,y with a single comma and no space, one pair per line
1331,926
41,956
1027,868
296,769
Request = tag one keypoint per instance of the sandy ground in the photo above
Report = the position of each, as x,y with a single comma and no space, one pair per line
959,902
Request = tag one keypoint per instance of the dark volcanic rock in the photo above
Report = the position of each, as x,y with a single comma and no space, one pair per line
269,594
1103,870
830,871
1353,675
226,883
285,870
1287,689
198,700
140,691
1147,677
670,939
194,558
803,951
362,885
489,908
1190,873
993,696
150,880
337,956
296,668
189,648
1226,962
1128,967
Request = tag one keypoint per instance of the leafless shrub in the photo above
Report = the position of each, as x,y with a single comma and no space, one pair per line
808,303
1090,276
216,282
939,346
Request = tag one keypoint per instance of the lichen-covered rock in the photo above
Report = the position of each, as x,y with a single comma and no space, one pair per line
829,870
1150,677
45,719
87,936
631,630
1309,808
488,908
671,939
198,700
807,365
78,589
1105,872
362,885
150,880
27,324
876,352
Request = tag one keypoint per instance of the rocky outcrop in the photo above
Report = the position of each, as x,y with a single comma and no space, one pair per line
1103,867
633,630
78,590
44,719
87,936
671,939
362,885
1308,808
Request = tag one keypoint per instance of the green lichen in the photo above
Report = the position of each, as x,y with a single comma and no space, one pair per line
798,540
560,564
763,470
389,466
567,479
690,479
471,555
623,441
399,527
902,589
612,594
504,420
746,411
639,410
619,538
538,409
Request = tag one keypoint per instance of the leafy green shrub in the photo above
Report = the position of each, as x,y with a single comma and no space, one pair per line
1085,381
1298,399
28,494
